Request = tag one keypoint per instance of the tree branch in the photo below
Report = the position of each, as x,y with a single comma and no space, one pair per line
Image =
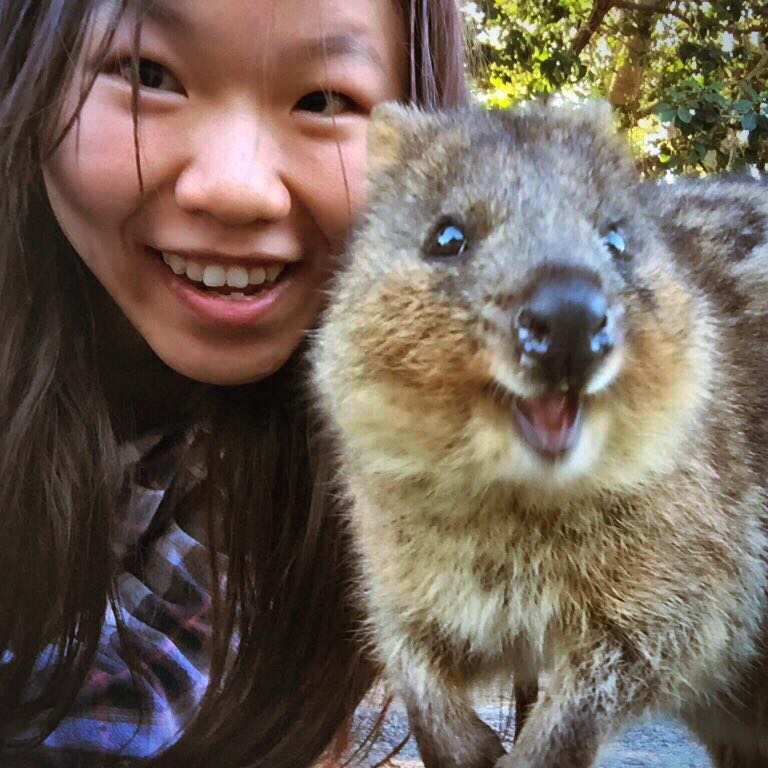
599,10
758,69
661,8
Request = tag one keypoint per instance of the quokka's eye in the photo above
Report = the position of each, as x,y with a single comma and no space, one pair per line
448,238
614,240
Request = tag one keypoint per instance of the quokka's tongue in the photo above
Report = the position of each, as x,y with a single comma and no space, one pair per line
550,422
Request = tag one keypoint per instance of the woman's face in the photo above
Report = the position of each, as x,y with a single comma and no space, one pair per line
252,124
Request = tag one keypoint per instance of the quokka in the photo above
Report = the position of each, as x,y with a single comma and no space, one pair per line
548,380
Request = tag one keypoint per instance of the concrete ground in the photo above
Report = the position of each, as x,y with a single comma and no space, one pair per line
657,743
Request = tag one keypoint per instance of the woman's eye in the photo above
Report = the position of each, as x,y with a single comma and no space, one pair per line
325,103
448,238
151,74
615,242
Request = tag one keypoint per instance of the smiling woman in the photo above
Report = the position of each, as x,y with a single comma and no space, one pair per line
251,165
178,177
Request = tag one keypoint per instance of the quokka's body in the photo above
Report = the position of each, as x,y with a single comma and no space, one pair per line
549,385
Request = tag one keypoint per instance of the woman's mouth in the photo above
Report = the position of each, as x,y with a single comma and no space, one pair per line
231,292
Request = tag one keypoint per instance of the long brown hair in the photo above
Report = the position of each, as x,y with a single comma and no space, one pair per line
299,672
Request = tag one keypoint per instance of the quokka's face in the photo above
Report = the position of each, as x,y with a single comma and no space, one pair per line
511,290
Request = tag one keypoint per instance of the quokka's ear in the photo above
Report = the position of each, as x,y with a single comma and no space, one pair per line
390,128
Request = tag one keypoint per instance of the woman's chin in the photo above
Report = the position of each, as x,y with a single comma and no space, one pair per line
226,367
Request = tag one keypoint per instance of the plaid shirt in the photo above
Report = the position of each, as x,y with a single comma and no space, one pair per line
165,607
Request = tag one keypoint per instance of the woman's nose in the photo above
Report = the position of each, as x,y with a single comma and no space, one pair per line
234,173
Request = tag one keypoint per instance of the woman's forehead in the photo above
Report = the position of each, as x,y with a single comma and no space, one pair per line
284,30
195,16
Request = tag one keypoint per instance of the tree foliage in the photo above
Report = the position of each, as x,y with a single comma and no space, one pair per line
689,78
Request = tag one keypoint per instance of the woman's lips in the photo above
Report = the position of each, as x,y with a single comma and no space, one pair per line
227,310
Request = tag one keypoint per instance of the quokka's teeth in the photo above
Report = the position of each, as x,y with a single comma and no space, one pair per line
257,275
273,272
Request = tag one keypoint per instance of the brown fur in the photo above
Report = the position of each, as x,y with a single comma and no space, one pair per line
629,577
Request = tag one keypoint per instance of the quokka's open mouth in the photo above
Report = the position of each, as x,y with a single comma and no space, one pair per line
550,423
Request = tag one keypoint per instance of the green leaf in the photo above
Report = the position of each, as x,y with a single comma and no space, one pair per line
748,91
669,116
749,122
684,114
712,97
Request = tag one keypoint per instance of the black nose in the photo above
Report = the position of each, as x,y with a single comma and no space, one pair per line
564,329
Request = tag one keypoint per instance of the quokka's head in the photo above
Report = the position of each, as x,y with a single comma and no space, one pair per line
510,311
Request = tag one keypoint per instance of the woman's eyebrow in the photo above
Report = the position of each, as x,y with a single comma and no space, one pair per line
338,45
168,16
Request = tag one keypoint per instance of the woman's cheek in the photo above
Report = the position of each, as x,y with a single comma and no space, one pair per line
330,180
94,168
354,161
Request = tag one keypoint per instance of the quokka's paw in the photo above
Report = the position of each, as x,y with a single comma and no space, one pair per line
470,743
515,759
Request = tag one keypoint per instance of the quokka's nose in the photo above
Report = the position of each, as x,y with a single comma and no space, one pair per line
564,329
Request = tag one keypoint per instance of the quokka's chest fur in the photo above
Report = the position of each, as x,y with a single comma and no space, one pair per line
505,581
549,384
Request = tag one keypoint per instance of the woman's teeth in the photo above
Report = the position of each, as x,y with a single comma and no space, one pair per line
218,276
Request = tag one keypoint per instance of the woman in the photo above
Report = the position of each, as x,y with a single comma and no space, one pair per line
178,175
